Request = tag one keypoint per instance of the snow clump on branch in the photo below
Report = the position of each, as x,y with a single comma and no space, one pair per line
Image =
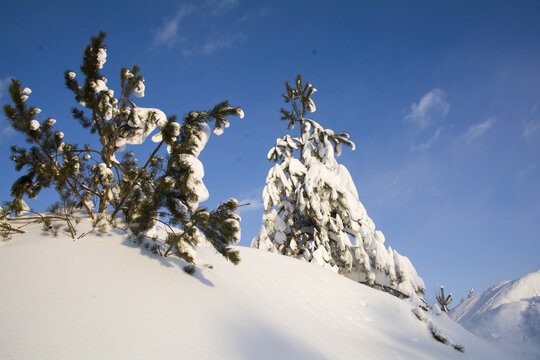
101,57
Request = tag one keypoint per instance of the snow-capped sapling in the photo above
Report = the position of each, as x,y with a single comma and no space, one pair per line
107,180
444,301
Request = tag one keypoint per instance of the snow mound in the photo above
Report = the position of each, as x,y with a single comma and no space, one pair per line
507,313
103,297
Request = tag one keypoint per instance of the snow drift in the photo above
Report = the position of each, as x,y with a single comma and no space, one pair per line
507,313
102,297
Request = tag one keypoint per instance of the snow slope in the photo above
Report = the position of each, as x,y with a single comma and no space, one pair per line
102,297
507,313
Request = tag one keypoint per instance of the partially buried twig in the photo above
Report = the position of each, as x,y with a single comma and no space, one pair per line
8,227
40,217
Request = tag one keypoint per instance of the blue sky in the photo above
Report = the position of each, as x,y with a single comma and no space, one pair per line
441,98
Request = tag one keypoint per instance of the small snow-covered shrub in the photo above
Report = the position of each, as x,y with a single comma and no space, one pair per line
107,180
437,333
436,310
419,313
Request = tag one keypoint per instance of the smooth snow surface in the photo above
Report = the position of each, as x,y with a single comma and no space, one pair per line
507,313
102,297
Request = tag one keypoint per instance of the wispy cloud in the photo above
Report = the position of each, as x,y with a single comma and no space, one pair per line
395,187
528,169
6,131
4,85
529,128
431,106
253,205
213,45
250,201
168,34
250,204
477,130
428,143
194,27
217,6
254,15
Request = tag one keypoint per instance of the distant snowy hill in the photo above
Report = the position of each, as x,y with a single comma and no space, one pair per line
102,297
507,313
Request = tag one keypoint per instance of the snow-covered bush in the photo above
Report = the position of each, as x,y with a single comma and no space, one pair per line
312,211
107,180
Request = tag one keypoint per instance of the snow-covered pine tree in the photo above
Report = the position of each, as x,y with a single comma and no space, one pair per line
312,211
107,180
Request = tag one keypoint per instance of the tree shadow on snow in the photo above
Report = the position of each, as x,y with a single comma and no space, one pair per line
169,262
259,339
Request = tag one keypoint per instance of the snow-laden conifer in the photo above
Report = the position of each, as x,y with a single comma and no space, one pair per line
312,211
108,180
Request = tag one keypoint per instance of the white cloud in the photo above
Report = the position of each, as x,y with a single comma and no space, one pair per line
218,6
198,36
432,105
4,85
250,204
6,132
250,201
528,169
398,186
168,34
479,129
428,143
529,128
214,45
255,15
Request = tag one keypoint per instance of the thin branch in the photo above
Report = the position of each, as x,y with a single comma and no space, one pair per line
119,205
46,217
388,289
40,217
164,223
173,244
79,151
8,227
169,249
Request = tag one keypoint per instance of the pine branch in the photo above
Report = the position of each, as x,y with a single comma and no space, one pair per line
119,205
72,187
171,246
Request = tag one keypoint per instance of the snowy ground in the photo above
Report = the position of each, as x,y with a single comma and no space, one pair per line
508,314
102,297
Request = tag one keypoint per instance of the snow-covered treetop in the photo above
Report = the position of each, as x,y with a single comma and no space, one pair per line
300,100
